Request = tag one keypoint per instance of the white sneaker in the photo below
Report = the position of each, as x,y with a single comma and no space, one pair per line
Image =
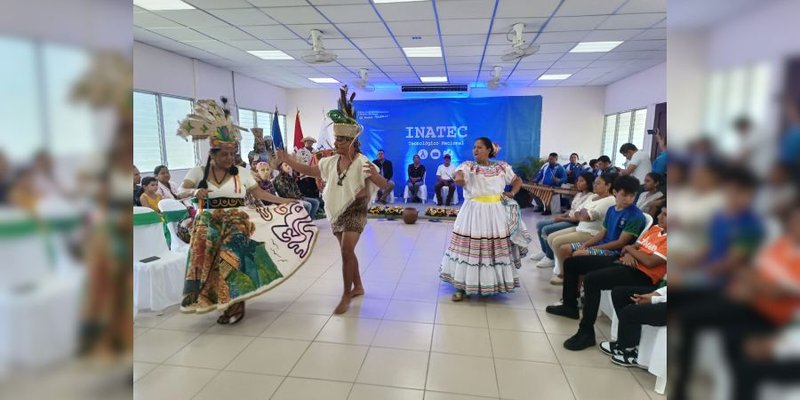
538,256
556,280
545,263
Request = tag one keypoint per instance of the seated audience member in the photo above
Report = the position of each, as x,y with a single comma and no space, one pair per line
150,197
592,167
590,222
166,188
777,196
137,187
563,222
573,168
638,164
604,166
386,171
790,139
445,177
264,178
651,198
416,178
23,193
550,174
759,302
642,264
635,306
286,187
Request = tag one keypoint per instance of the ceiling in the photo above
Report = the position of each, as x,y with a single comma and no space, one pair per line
472,34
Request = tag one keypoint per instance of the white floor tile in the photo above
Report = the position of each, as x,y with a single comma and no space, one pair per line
600,383
429,395
210,351
239,385
371,392
462,374
462,314
349,330
591,357
174,383
339,362
269,356
295,326
310,303
254,322
419,291
404,335
311,389
393,367
528,346
198,323
522,380
274,300
413,311
156,345
514,319
141,369
462,340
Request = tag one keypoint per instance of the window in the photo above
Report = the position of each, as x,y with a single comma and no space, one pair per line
258,119
23,133
621,128
155,127
741,91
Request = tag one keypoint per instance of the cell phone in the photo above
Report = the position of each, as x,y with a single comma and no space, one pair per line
149,259
651,131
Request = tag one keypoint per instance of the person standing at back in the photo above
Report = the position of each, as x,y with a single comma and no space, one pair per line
638,164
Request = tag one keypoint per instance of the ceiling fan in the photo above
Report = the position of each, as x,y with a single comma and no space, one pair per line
318,54
519,49
363,83
495,83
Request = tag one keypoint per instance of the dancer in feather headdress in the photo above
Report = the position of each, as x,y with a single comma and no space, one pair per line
351,180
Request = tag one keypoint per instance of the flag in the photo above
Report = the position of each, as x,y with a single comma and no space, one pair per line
324,138
277,138
298,133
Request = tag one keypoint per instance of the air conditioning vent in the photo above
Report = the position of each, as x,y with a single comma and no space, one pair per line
440,88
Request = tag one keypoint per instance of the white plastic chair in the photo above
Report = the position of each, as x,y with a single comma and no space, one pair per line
176,244
422,193
445,192
157,284
653,354
606,302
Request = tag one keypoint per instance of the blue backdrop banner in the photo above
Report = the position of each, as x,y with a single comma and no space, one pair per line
434,127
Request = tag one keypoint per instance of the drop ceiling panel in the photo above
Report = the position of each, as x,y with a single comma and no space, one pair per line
384,53
422,10
572,64
412,28
328,31
218,4
562,37
145,36
369,29
463,51
429,61
349,13
555,48
634,55
270,32
644,6
193,18
412,41
606,35
334,2
464,40
227,33
560,24
289,44
149,20
464,9
243,16
636,45
658,33
373,43
526,63
180,34
540,8
278,3
532,25
295,15
464,26
632,21
589,7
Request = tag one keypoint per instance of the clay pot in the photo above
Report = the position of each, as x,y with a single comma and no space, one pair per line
410,215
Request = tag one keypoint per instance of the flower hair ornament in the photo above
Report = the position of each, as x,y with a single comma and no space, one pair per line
496,148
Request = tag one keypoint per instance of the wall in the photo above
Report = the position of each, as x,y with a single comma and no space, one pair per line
687,65
644,89
572,118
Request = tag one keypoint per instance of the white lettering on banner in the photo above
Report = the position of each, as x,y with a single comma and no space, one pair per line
427,132
435,154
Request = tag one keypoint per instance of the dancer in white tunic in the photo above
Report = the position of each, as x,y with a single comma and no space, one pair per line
489,238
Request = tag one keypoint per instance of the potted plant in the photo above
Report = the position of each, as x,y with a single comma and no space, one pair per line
528,168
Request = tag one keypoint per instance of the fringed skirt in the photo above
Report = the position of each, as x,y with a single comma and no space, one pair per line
486,248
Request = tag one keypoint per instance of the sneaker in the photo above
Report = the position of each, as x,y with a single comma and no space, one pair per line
545,263
628,358
555,280
538,256
610,348
580,341
563,311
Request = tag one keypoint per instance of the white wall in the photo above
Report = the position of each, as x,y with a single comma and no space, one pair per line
644,89
572,118
687,65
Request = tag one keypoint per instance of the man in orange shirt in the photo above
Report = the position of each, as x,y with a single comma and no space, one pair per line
642,264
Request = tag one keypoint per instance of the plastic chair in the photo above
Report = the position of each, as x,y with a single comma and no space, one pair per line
422,193
157,284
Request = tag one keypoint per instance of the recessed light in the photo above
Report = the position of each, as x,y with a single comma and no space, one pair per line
554,77
270,54
595,47
323,80
435,51
163,5
393,1
432,79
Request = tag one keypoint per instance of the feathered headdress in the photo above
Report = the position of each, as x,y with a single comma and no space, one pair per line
210,121
344,117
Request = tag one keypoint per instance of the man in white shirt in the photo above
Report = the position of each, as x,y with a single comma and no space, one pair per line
638,163
445,177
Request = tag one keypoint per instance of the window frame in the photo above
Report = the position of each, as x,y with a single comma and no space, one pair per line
629,136
162,144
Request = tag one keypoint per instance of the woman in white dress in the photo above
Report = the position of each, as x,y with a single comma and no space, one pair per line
236,252
489,238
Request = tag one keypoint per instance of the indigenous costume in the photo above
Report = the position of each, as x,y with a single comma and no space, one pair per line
347,193
237,252
489,237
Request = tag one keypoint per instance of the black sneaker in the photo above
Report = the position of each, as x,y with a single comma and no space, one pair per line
628,358
564,311
580,341
610,348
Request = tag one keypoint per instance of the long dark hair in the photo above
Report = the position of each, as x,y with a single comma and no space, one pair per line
233,170
488,144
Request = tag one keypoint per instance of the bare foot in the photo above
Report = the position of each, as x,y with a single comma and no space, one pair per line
344,304
359,291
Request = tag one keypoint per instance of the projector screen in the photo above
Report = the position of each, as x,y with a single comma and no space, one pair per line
434,127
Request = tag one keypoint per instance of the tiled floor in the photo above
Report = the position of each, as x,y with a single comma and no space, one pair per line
403,340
